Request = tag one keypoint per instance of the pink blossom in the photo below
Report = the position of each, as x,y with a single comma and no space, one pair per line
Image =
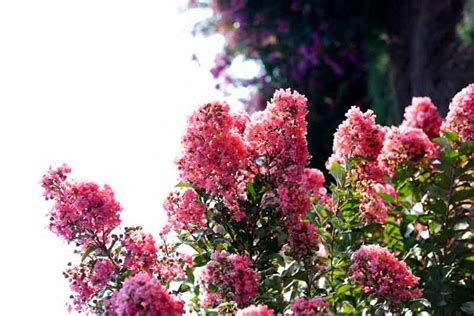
86,283
172,263
372,205
215,154
276,139
460,118
277,136
405,145
185,212
81,210
316,306
303,239
233,277
357,136
314,182
423,114
367,170
103,271
377,272
139,250
252,310
142,294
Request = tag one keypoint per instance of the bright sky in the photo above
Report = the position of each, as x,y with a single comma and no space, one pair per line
104,86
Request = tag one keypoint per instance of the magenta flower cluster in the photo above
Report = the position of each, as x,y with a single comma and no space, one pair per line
81,210
460,118
405,144
315,306
229,277
373,153
224,151
87,215
259,310
380,274
142,294
422,113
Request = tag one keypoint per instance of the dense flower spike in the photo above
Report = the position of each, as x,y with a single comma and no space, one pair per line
184,211
277,144
422,113
85,283
229,276
277,136
372,206
405,145
139,250
357,136
314,183
143,295
316,306
215,154
460,118
303,240
259,310
171,263
81,210
379,273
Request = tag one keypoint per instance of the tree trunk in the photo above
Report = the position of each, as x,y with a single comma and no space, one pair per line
427,57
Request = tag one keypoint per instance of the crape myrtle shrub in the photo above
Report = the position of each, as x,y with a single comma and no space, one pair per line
252,231
314,46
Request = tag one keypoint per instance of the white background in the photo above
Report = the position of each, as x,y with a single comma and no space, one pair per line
104,86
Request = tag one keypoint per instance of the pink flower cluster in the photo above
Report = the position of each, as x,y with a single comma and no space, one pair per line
405,145
276,137
171,263
229,276
357,136
215,153
316,306
184,211
224,151
86,282
372,205
139,250
379,273
423,114
81,210
259,310
373,152
142,294
314,183
303,239
460,118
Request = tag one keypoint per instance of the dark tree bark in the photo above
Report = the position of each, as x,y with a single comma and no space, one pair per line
427,57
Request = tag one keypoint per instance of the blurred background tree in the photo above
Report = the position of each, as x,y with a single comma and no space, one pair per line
370,54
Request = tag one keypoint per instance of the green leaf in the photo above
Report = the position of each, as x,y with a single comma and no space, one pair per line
438,207
468,307
183,288
451,136
387,197
463,195
201,260
251,190
182,184
190,275
88,251
336,171
467,148
343,289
